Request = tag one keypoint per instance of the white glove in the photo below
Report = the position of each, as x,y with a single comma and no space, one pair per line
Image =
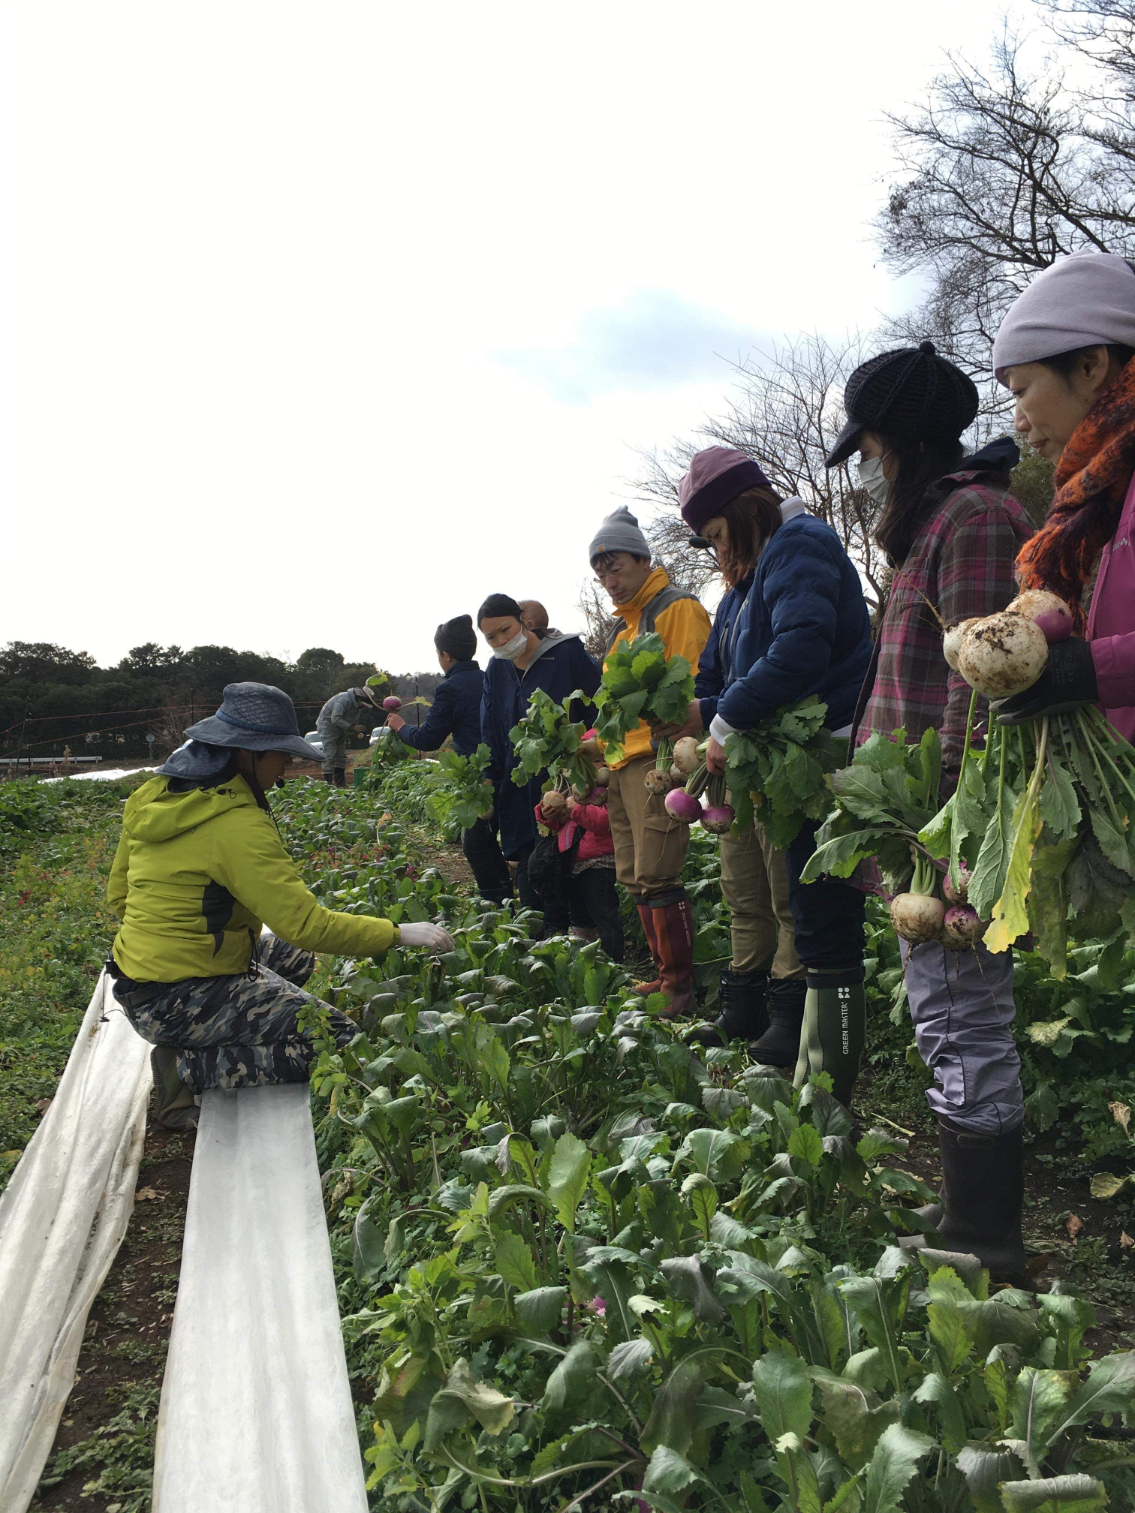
429,937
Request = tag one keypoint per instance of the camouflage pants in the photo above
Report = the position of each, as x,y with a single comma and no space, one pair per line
233,1032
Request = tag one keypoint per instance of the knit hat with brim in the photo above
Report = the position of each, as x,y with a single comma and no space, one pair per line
457,638
1085,300
619,533
257,717
911,394
715,478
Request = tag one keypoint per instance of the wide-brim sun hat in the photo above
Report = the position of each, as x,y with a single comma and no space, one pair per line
911,394
255,717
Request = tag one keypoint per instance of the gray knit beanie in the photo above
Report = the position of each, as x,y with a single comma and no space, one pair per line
619,533
1085,300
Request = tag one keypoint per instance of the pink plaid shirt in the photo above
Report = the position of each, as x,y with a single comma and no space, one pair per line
962,564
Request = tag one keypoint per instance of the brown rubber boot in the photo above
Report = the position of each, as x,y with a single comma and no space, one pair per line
674,932
646,915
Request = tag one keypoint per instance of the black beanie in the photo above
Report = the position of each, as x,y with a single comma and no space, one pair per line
496,607
457,637
913,394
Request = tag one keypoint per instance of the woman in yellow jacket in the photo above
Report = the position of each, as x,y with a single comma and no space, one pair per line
199,870
650,847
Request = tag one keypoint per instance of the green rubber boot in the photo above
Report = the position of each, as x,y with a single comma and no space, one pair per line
834,1031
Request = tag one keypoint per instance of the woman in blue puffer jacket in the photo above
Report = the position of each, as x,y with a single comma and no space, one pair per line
803,629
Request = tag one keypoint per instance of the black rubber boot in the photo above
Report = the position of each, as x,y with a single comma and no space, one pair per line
835,1029
744,1011
983,1193
329,776
340,777
780,1044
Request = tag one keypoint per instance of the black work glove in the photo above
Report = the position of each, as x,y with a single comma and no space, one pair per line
1068,679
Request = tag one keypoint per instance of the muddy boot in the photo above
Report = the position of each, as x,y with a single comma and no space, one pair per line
646,915
744,1012
780,1044
174,1105
674,934
329,776
984,1192
340,777
835,1029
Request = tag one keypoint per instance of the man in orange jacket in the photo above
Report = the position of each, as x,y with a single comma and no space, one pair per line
650,847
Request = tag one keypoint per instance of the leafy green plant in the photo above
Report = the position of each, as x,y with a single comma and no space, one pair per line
458,793
547,740
780,767
641,683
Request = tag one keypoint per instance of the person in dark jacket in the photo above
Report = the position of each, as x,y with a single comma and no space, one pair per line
763,989
456,714
524,661
803,629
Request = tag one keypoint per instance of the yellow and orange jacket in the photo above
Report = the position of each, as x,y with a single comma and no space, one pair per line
684,627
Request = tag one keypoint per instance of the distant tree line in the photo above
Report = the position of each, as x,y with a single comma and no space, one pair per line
51,697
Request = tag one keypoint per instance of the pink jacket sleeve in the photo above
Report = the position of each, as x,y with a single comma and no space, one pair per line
1114,658
554,822
593,817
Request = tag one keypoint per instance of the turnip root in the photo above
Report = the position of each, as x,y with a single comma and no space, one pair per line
602,776
392,703
658,782
952,642
686,755
1054,626
682,806
962,928
553,802
717,819
591,748
579,791
1047,611
959,894
917,916
1002,655
678,775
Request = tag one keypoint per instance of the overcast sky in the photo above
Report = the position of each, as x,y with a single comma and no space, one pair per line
322,322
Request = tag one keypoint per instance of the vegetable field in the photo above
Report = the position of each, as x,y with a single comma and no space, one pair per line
584,1264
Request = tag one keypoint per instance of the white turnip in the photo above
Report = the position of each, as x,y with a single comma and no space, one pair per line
686,755
553,802
952,642
917,916
1002,655
682,806
658,781
678,775
962,928
602,776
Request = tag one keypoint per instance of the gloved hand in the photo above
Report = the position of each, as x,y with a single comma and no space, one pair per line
428,937
1068,679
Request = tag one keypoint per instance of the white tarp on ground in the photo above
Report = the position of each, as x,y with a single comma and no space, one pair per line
62,1219
94,772
256,1412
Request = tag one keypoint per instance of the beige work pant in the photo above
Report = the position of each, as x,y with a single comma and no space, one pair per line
754,882
650,847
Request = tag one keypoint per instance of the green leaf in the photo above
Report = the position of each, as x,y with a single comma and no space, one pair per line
854,1417
782,1387
668,1478
1055,1494
460,1400
985,1470
892,1467
567,1177
717,1153
688,1280
939,1391
514,1262
629,1358
673,1414
1010,917
541,1309
805,1143
1109,1389
570,1382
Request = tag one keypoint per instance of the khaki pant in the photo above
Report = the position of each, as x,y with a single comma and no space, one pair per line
650,847
754,882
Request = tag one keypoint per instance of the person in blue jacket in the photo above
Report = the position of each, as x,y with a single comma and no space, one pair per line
803,629
456,713
523,661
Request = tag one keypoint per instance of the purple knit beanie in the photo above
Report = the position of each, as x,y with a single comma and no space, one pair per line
716,477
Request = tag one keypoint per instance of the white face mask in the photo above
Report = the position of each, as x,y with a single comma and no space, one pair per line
512,649
871,480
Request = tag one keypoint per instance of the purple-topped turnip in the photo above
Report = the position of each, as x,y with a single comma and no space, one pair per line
392,703
962,928
682,806
717,819
957,894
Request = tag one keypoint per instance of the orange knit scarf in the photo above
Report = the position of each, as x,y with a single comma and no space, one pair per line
1092,478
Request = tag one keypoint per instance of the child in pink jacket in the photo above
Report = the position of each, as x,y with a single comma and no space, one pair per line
587,877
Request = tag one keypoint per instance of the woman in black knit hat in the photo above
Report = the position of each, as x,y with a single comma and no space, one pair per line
456,714
951,531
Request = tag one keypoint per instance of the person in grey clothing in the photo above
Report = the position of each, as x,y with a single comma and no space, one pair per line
338,716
